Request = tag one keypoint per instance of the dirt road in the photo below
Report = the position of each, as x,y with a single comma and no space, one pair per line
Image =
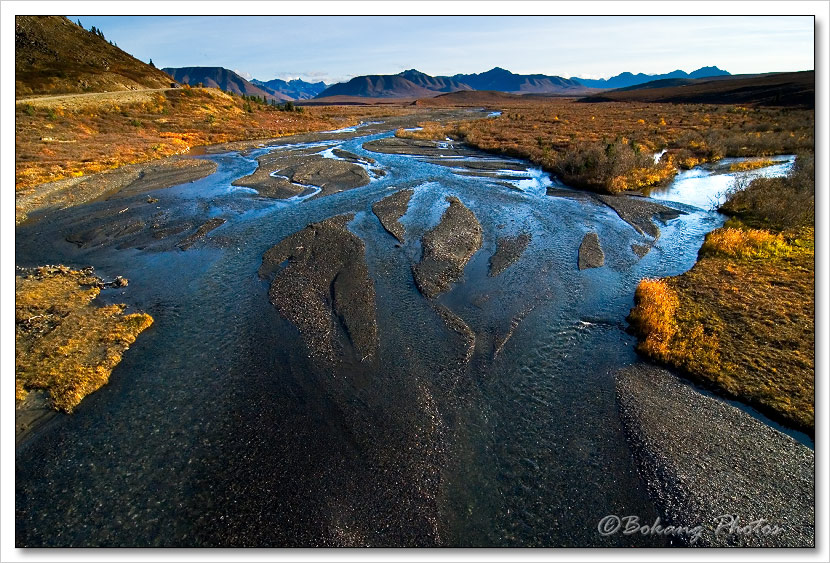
92,98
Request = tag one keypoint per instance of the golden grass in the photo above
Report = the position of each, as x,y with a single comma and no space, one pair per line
746,243
741,320
750,165
429,130
63,342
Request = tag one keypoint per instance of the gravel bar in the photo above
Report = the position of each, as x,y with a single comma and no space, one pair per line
707,463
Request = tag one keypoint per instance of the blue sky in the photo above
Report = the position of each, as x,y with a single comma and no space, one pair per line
336,48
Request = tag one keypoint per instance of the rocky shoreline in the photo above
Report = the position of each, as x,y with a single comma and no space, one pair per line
126,181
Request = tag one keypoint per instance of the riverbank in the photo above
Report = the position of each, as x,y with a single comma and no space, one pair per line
742,320
65,345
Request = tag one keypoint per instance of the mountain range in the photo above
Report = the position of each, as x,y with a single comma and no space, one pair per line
626,79
416,84
297,89
54,55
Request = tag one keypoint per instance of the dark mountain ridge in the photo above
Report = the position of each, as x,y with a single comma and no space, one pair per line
415,84
502,80
794,89
378,86
626,79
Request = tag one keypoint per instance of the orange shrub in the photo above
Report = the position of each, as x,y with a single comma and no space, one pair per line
654,317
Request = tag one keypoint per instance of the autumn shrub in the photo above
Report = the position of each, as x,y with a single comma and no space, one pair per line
744,243
747,165
612,167
777,203
653,317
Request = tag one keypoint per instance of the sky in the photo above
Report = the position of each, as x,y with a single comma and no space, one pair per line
337,48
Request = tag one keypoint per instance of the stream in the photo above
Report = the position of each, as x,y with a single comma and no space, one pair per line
218,429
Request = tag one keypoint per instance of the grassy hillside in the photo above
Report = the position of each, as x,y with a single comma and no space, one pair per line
55,56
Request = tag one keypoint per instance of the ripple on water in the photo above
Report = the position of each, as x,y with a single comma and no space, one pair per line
217,430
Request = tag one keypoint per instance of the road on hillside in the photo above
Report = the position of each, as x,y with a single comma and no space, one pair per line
93,98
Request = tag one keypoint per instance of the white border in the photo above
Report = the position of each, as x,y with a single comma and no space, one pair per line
7,516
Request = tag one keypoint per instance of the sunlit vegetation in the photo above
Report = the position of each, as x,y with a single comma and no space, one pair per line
742,319
777,203
82,137
64,343
609,147
750,165
428,130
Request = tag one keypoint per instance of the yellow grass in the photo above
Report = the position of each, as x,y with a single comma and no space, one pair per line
750,165
63,342
740,320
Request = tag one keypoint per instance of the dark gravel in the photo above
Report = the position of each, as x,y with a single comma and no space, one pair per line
702,459
200,233
446,249
508,250
418,147
640,249
325,289
297,173
590,252
639,212
390,209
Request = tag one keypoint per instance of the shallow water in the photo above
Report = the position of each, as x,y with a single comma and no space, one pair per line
217,429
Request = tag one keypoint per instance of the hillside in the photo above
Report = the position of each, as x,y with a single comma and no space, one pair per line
502,80
780,89
296,89
377,86
56,56
222,78
626,79
436,83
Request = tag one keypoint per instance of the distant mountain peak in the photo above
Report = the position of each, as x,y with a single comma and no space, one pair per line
497,70
627,79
